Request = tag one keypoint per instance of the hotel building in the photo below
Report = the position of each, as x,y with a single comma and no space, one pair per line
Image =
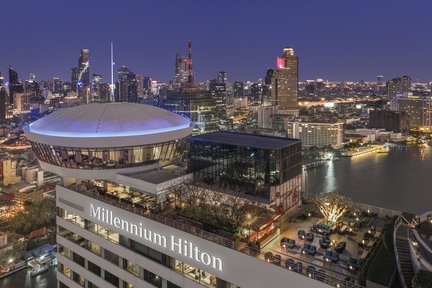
116,226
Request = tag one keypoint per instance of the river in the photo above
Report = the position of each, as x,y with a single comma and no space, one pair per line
399,180
22,279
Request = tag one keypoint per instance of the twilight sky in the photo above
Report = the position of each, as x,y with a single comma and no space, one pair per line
334,39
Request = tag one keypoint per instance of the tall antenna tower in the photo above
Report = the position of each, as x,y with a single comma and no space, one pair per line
112,73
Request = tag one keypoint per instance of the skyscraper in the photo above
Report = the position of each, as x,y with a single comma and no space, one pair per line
238,89
80,76
84,67
180,70
126,86
14,85
398,86
222,77
285,82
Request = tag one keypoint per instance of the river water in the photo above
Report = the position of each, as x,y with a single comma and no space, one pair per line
22,279
399,180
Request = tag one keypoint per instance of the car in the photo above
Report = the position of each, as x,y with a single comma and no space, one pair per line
310,236
310,271
331,256
324,242
298,267
277,259
354,264
340,247
301,234
287,242
309,249
268,256
321,229
320,275
289,264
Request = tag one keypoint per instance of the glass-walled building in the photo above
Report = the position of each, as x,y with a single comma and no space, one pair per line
264,167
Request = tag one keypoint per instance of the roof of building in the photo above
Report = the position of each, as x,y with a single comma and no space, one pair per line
246,140
155,177
108,125
108,119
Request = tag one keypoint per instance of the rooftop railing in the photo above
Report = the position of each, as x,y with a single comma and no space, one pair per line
226,242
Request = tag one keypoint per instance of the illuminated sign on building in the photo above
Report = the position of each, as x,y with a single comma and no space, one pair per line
171,242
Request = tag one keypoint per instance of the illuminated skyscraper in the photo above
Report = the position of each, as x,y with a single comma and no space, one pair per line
285,82
80,76
84,67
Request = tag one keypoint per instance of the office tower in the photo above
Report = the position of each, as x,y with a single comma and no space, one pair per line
1,79
219,93
96,88
285,82
196,104
398,86
180,70
3,100
84,67
222,77
269,76
140,85
256,93
238,89
57,85
126,86
15,85
80,76
74,78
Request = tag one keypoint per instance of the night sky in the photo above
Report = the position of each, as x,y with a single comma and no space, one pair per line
335,40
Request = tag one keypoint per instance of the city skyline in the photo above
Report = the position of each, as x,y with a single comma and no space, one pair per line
334,41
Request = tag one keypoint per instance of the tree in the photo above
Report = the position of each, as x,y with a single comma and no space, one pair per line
333,205
9,254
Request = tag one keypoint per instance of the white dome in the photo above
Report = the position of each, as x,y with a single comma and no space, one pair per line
108,125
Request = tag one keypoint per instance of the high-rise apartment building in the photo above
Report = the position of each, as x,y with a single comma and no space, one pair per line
285,82
398,86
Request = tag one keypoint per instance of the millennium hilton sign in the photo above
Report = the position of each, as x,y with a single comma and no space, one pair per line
178,245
